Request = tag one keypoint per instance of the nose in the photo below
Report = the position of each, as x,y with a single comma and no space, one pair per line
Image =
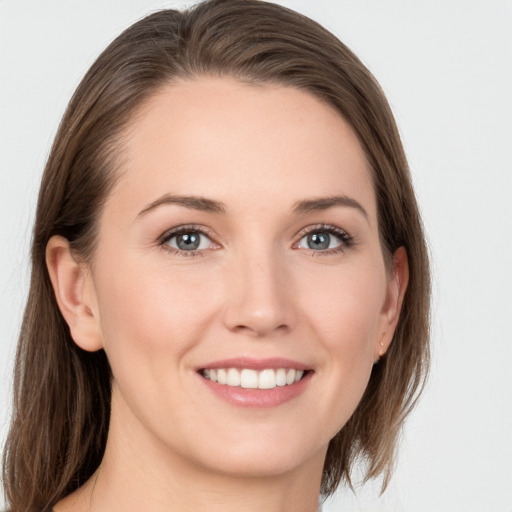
259,296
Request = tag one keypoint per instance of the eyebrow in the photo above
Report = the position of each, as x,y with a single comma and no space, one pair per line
211,206
324,203
193,202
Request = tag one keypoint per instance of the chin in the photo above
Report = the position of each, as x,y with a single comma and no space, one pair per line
261,454
270,464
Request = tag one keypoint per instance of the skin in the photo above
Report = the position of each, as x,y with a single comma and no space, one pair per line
255,288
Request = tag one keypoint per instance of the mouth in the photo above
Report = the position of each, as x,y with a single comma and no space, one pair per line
256,383
249,378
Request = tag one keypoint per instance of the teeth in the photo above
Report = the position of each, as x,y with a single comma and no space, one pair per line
267,379
233,377
281,377
222,376
248,379
252,379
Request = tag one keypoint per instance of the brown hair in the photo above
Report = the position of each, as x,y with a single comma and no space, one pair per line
62,393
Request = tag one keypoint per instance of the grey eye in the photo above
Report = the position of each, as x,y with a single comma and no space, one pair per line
319,241
189,241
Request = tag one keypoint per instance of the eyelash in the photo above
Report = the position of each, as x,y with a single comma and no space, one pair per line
347,240
189,228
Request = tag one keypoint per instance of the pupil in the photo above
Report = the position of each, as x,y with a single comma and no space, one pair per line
319,240
188,241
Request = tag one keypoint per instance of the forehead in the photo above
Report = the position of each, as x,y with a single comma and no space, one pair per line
225,139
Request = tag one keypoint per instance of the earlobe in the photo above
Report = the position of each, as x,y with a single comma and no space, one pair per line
396,288
75,295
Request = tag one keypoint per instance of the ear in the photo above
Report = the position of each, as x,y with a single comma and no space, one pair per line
75,294
396,287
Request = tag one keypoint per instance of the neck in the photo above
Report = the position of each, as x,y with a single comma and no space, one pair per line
138,473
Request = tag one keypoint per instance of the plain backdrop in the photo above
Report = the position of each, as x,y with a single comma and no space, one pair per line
446,67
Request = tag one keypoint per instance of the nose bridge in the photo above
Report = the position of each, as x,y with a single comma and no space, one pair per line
258,292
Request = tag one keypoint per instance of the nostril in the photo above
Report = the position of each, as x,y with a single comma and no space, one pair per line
260,328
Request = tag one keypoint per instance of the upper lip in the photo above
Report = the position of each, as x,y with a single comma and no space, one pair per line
256,364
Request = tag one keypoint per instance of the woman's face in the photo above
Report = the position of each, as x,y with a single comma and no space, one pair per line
239,248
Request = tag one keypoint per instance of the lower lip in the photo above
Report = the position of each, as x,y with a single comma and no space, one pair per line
258,398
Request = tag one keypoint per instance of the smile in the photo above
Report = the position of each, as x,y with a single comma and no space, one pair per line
247,378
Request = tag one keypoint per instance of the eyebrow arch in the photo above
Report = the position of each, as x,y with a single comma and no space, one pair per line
193,202
324,203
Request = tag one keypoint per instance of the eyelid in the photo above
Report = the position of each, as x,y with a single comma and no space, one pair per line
186,228
346,239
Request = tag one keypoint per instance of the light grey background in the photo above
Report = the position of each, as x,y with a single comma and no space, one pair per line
446,66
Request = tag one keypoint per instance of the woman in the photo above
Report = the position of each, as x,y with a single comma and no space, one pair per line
230,288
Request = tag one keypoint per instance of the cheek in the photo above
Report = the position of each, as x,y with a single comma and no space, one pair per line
347,318
346,305
152,312
150,322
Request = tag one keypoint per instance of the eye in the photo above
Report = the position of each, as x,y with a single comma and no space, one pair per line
319,241
187,240
329,239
